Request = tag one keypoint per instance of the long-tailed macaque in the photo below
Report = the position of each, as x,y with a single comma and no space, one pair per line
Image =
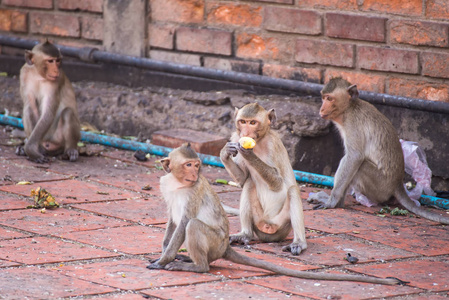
373,163
50,115
270,203
197,218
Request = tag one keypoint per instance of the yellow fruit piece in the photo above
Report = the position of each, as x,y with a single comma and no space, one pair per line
247,142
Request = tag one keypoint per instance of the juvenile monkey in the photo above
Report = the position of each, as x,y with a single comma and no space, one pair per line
270,203
50,115
373,163
197,218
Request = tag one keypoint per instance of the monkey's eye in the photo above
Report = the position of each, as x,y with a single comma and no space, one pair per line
253,122
328,98
188,164
242,121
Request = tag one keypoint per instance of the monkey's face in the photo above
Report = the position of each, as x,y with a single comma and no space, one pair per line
334,104
187,172
52,65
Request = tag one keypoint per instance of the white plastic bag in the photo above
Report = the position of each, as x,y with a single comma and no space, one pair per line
416,166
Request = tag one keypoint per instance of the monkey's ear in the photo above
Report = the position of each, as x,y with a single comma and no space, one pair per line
29,57
165,162
353,92
236,111
272,116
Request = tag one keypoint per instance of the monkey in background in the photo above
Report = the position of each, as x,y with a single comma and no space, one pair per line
270,203
373,163
50,115
197,218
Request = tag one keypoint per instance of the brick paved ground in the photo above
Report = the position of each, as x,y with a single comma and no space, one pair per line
98,243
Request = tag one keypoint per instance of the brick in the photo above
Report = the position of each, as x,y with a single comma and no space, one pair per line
402,7
293,73
437,9
5,20
329,4
232,65
179,11
255,46
275,1
19,21
435,64
201,142
292,20
204,40
418,89
234,14
11,20
180,58
325,53
82,5
161,36
392,60
355,27
29,3
49,23
92,28
419,33
365,82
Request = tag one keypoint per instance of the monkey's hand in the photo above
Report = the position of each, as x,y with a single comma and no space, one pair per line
321,199
155,265
240,238
230,149
294,248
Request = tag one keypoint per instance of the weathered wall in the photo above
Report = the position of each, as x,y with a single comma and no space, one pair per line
398,47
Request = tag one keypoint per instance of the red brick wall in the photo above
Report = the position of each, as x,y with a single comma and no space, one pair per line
399,47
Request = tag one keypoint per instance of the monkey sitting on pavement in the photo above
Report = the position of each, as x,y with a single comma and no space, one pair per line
373,163
50,115
270,203
197,218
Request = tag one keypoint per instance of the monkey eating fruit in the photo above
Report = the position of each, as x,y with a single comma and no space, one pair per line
270,203
197,218
373,164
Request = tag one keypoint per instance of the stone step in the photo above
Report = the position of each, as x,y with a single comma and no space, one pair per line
201,142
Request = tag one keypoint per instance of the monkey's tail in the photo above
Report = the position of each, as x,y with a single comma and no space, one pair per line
235,257
408,203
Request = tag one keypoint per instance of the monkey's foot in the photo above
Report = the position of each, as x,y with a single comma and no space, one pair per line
20,150
40,160
240,238
155,266
267,228
294,248
189,267
71,155
183,258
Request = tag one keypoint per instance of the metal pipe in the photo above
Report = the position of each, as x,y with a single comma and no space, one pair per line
206,159
93,54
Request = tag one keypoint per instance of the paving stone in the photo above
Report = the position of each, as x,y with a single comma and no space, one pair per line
344,220
7,234
56,222
129,239
144,211
129,296
336,249
37,283
426,274
129,274
73,191
320,289
220,290
17,172
425,240
41,250
6,263
137,183
10,202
